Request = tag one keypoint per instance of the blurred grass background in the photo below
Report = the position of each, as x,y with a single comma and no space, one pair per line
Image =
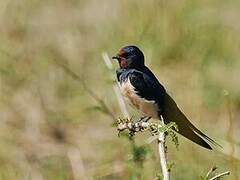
51,128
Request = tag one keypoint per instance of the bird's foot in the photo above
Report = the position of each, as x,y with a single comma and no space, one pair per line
144,119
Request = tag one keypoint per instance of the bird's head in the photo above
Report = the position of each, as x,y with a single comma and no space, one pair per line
130,57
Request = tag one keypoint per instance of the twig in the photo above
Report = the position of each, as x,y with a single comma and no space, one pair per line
78,78
162,154
220,175
118,94
133,127
76,163
142,125
230,131
214,168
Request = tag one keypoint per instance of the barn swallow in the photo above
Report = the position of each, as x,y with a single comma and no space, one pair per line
139,85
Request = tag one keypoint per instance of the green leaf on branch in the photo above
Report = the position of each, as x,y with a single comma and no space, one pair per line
158,176
170,166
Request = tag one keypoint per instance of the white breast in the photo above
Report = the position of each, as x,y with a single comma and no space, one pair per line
148,108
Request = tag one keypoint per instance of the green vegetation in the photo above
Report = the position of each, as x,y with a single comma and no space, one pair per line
51,127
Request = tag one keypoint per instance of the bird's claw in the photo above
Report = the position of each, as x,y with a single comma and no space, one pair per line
144,119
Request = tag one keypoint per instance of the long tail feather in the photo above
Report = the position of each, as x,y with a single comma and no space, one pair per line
172,113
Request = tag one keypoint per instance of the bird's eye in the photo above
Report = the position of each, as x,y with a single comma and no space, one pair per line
125,56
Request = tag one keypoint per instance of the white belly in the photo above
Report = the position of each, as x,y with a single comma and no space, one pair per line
148,108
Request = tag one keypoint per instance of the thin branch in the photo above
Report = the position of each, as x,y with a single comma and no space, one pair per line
162,154
214,168
142,125
230,132
133,126
78,78
76,163
118,94
220,175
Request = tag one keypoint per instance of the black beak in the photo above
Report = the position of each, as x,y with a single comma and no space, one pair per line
116,57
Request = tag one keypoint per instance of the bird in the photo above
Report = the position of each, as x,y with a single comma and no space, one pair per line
140,86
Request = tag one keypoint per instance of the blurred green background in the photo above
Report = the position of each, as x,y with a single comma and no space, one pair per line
52,126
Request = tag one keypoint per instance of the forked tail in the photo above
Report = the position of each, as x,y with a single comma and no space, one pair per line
172,113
